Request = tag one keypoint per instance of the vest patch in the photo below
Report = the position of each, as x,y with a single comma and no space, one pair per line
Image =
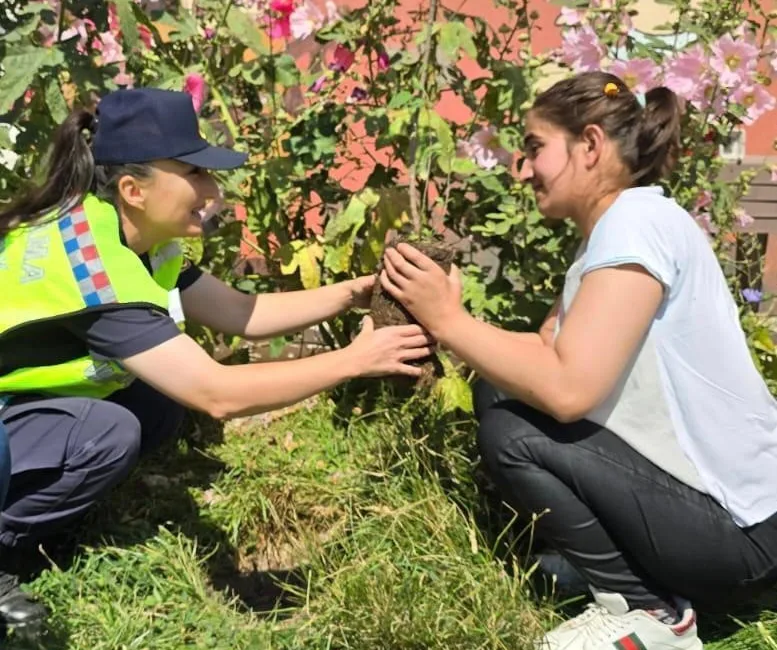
37,249
85,262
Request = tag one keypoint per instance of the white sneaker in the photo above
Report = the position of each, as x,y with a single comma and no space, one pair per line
608,624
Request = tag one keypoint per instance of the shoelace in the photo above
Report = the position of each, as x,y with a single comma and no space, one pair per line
600,630
592,611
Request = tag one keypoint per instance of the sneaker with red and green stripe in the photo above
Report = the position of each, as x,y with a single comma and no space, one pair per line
609,624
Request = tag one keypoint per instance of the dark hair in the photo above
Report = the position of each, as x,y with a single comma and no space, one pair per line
71,174
648,138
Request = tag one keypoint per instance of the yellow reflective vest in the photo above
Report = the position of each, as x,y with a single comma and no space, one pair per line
72,264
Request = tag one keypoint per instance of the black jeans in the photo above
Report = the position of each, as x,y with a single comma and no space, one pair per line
626,525
66,453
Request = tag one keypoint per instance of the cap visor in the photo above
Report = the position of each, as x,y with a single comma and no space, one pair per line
214,158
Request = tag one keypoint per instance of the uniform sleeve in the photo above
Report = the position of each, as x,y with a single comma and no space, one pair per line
642,239
189,275
124,332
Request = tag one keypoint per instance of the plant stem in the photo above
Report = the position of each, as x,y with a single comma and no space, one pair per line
413,146
231,126
61,22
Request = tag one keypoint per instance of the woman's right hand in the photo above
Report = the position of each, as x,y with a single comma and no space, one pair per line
387,350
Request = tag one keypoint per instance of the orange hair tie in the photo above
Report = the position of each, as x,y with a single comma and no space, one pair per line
611,89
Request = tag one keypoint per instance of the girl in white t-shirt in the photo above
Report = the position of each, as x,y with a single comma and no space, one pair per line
634,422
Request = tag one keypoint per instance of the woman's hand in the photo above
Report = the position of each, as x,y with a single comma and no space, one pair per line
361,291
421,285
387,350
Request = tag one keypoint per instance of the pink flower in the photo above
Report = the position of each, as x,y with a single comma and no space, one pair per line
306,19
343,59
755,99
742,218
688,74
704,219
208,33
734,61
773,170
146,36
113,18
109,48
569,17
80,29
640,75
332,14
581,49
485,149
194,84
384,63
704,200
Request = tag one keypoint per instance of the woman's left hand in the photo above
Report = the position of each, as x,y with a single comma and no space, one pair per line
419,283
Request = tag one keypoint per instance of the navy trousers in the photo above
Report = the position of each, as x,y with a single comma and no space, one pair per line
5,464
66,453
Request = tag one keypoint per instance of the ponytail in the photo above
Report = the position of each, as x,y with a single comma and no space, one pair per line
658,140
70,172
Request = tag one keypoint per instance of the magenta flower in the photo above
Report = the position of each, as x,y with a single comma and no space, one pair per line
733,60
640,75
279,18
384,63
343,59
358,94
194,84
755,99
318,84
581,49
485,149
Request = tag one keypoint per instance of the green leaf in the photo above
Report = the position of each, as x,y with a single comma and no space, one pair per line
454,36
183,28
55,100
284,67
400,99
129,25
5,137
245,30
353,216
455,393
276,346
21,66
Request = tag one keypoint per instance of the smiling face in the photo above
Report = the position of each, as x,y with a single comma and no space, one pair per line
551,166
167,205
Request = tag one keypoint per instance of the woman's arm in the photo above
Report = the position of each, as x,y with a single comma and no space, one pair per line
212,303
611,313
182,370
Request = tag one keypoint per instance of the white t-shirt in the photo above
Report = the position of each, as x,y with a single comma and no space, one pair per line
691,400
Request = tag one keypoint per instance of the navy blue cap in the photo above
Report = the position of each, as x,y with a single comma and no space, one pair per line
139,125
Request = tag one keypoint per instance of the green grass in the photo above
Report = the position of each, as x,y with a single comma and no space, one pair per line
319,529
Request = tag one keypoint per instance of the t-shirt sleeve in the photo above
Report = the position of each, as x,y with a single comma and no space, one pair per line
123,332
641,239
188,276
